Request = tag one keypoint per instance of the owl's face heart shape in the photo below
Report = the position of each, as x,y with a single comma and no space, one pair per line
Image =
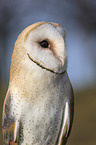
45,45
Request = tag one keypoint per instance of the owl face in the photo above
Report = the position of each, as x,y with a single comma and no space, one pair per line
45,46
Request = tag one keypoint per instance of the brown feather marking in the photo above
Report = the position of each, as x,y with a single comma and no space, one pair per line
12,143
9,129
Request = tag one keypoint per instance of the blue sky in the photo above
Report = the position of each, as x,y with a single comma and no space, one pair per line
81,44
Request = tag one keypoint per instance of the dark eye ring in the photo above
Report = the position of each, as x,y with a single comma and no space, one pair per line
44,44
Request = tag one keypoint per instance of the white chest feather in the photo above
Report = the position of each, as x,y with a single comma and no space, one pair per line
40,113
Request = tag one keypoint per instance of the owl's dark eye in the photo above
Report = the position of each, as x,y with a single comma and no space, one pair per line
44,44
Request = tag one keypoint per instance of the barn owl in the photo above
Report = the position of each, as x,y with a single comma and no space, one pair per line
39,104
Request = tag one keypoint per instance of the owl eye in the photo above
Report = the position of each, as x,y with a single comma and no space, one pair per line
44,44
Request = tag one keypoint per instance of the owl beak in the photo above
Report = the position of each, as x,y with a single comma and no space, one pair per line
62,61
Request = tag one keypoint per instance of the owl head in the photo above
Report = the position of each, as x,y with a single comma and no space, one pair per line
41,46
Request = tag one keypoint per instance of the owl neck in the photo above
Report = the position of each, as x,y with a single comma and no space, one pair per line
27,82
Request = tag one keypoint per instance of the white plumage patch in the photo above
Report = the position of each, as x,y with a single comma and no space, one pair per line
52,58
16,131
67,118
66,122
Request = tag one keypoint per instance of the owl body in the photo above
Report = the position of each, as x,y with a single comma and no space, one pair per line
38,108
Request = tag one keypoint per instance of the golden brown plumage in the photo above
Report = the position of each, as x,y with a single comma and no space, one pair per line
38,107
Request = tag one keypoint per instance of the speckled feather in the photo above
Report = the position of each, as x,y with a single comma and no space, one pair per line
38,108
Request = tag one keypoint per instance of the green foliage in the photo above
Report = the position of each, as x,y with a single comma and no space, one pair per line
84,124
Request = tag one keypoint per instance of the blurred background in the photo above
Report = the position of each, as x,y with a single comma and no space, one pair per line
79,19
